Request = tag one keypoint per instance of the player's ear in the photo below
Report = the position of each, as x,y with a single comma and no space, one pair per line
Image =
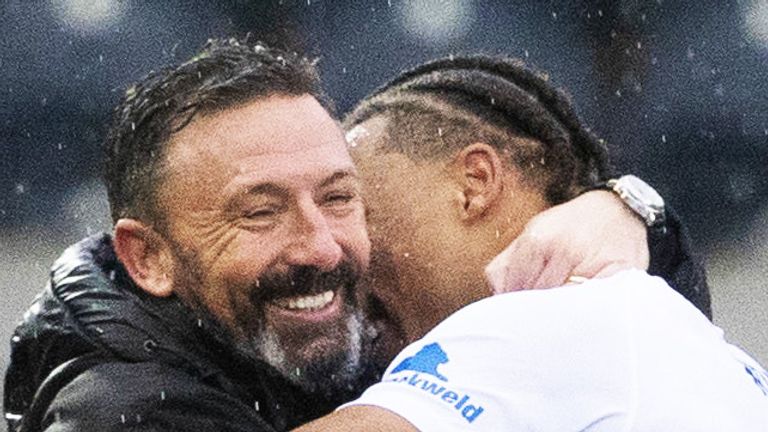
146,255
478,169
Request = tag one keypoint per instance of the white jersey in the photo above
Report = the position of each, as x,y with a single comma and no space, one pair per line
626,353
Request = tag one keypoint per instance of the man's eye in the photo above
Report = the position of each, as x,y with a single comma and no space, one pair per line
260,214
339,198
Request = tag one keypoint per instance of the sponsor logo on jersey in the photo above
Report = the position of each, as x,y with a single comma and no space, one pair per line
420,370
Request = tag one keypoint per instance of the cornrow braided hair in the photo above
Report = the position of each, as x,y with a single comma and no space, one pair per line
500,92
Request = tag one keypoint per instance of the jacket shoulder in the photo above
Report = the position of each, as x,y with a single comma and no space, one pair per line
146,397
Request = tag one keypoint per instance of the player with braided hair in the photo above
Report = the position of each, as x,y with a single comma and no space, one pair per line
458,155
440,106
505,95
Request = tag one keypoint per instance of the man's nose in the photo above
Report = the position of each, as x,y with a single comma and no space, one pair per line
314,243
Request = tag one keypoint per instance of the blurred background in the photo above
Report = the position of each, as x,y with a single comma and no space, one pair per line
677,88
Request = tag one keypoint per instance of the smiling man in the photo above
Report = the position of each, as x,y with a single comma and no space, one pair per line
228,297
263,232
240,237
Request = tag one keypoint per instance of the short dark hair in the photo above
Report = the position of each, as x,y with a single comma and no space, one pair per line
444,105
227,73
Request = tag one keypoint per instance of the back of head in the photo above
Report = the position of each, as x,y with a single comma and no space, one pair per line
438,108
225,74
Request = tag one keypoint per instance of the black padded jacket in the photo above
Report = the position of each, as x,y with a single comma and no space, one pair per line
94,353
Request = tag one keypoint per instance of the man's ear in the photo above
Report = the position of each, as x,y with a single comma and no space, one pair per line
480,174
146,256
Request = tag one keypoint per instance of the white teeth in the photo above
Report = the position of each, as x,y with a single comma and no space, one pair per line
317,301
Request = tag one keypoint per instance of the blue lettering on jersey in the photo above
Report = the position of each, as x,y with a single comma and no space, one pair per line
759,376
426,362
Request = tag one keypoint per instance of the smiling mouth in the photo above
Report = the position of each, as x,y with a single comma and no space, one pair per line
323,307
306,302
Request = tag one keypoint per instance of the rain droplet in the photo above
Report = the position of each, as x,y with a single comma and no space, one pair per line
344,70
20,189
406,254
138,418
664,138
15,339
122,418
298,372
256,405
493,101
618,93
60,146
554,15
526,53
133,126
162,395
199,322
600,12
101,58
439,132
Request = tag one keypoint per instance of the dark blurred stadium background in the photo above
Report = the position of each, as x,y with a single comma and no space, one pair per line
677,88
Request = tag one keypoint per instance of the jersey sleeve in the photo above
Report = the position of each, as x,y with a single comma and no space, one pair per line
534,360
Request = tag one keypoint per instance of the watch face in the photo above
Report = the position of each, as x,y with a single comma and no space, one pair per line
641,198
641,191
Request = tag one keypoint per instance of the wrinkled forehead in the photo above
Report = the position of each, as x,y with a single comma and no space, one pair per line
279,139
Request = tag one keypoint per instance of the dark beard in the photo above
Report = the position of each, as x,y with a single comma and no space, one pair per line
340,374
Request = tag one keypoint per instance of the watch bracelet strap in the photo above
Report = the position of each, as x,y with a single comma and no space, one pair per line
657,229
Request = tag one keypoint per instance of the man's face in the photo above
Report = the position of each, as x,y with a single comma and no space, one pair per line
420,263
267,226
429,254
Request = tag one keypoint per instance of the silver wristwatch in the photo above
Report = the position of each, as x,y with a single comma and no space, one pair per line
640,197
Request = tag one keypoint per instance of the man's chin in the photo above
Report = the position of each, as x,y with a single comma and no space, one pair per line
320,357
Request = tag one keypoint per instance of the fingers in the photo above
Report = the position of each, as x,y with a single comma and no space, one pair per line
556,269
516,267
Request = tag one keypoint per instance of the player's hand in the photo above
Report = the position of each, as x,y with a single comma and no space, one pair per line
593,235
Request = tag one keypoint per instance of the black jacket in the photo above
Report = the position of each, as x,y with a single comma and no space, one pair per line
93,355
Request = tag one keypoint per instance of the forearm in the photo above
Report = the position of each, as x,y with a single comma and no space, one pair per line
359,418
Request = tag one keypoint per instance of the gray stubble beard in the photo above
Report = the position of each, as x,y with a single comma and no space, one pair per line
339,373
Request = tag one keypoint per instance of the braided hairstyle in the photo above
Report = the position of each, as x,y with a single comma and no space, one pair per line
444,105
